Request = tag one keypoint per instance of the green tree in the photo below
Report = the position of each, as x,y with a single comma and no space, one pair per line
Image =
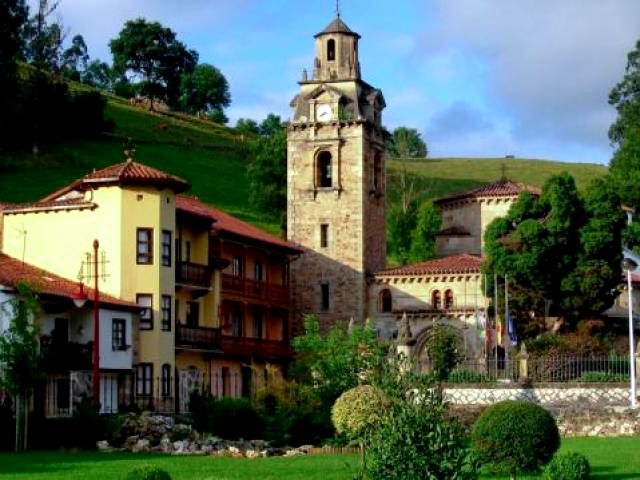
247,125
335,361
204,90
13,17
444,351
564,248
271,125
267,174
218,116
99,74
625,97
423,237
20,357
402,224
406,143
151,53
75,58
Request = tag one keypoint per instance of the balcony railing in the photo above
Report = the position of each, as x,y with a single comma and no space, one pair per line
193,274
202,338
254,347
62,356
252,289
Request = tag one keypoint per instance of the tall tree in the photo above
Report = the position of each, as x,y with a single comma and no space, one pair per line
267,174
44,39
204,90
406,143
151,53
625,97
271,125
561,248
247,125
99,74
13,17
20,357
401,227
423,237
75,58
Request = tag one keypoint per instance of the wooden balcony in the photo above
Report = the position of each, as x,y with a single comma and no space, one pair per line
193,274
255,348
63,356
200,338
254,290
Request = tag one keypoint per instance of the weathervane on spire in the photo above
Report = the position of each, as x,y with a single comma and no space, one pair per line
338,8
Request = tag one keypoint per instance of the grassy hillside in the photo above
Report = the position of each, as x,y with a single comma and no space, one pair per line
211,158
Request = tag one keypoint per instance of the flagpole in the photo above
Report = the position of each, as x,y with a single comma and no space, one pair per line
506,323
495,314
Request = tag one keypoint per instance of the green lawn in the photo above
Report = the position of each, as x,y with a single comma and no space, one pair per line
611,459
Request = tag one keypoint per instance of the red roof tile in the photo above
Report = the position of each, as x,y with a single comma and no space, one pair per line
13,271
454,264
225,223
73,204
501,188
125,173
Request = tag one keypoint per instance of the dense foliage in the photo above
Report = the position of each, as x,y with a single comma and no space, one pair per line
228,418
625,97
358,410
559,249
405,142
205,89
148,472
20,356
515,436
415,439
567,466
152,52
336,361
444,351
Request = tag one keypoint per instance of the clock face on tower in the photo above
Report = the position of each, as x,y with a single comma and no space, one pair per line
324,113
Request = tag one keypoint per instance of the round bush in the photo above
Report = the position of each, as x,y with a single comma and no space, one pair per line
568,466
515,436
148,472
357,410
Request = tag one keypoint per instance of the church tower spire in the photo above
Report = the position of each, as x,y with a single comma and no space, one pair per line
336,182
337,52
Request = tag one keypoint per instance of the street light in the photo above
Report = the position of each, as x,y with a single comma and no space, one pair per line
629,265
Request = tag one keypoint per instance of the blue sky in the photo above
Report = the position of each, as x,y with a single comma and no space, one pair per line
476,77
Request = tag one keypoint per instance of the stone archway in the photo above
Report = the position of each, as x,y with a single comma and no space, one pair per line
421,351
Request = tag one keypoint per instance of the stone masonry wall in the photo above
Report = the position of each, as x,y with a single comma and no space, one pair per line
599,395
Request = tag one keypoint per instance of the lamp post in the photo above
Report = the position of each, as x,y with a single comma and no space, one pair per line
628,266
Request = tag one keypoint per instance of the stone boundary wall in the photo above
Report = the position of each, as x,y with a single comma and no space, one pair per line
547,395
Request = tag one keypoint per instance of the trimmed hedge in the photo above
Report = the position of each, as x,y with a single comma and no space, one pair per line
513,436
568,466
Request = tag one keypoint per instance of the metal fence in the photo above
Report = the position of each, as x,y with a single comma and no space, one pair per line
539,369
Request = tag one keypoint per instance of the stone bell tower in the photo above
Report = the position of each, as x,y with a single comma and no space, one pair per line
336,181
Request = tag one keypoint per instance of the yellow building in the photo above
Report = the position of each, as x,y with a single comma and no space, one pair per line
163,252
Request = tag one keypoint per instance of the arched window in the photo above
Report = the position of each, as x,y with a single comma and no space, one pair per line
165,381
377,171
448,299
436,299
323,170
331,50
386,301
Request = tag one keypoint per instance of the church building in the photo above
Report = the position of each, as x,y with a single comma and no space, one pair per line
336,212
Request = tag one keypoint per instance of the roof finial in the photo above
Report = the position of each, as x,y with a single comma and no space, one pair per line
338,8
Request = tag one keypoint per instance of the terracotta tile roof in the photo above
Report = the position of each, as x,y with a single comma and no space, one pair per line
72,204
13,271
225,223
125,173
453,264
455,231
337,26
501,188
